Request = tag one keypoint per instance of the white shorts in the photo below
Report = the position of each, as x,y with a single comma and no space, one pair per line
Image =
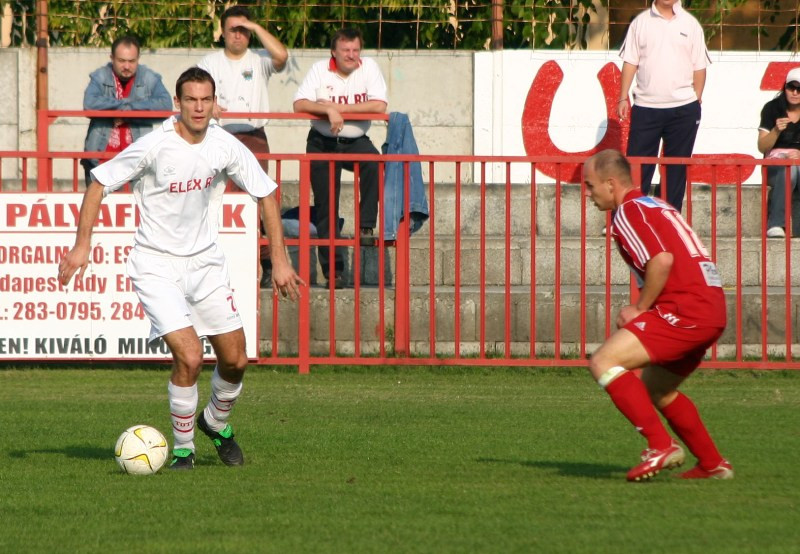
178,292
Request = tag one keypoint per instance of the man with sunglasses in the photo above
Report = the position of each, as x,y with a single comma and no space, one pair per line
665,50
779,138
241,76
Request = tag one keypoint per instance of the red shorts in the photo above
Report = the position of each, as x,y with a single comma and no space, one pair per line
676,346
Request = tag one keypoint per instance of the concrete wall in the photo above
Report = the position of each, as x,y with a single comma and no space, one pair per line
17,98
434,88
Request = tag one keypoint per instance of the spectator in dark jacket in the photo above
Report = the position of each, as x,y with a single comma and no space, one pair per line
121,84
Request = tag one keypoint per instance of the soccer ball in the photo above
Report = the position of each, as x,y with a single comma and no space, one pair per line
141,450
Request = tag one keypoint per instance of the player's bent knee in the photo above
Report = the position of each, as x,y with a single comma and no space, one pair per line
661,399
606,377
236,365
599,365
189,364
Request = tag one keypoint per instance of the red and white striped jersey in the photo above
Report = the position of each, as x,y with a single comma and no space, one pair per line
643,227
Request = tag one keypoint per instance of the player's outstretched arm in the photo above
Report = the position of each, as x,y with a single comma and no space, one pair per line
284,278
78,258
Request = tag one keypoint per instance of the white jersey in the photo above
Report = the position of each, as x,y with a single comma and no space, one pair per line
241,85
365,83
178,186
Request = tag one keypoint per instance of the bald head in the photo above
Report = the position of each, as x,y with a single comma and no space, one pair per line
607,176
608,164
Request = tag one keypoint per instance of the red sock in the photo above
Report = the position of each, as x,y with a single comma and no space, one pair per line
630,397
683,417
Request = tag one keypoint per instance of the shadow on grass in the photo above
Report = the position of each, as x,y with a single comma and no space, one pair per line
81,452
569,469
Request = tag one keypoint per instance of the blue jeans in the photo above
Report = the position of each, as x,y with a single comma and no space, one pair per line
776,201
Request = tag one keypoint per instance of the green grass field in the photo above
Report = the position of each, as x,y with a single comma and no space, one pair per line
394,460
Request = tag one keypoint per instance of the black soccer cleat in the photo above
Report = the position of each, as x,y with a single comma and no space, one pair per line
227,449
182,459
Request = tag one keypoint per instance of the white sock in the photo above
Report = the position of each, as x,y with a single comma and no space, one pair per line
182,409
223,397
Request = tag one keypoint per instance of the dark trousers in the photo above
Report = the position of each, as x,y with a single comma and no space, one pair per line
320,186
677,127
88,166
256,142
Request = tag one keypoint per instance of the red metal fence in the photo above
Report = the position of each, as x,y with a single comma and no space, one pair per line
506,271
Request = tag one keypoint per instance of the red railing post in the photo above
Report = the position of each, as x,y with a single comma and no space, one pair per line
44,163
304,247
401,290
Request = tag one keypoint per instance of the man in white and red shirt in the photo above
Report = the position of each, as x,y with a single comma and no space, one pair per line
346,83
678,315
179,173
665,50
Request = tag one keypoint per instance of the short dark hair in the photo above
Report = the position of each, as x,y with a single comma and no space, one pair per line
195,75
235,11
611,163
127,40
347,33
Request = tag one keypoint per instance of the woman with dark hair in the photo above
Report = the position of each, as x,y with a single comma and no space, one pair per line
779,137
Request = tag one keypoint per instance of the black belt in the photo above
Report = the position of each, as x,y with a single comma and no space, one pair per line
338,140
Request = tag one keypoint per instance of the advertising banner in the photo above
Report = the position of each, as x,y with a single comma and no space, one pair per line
557,103
97,316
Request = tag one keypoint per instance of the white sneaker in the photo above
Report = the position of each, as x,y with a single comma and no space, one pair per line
776,233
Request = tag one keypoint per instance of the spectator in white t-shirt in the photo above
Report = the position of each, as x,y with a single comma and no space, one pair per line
346,83
241,76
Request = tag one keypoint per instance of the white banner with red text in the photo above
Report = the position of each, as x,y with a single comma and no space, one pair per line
98,316
557,103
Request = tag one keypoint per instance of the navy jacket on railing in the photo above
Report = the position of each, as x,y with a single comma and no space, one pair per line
400,140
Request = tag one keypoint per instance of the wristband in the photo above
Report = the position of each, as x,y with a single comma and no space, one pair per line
621,101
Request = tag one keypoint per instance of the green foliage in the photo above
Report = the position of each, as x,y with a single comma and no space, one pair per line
23,25
789,39
395,24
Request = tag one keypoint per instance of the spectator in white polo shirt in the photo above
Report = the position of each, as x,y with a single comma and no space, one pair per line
665,50
345,83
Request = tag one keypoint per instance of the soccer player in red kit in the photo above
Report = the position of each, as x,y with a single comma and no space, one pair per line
680,312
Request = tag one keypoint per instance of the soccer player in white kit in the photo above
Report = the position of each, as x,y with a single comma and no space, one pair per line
179,172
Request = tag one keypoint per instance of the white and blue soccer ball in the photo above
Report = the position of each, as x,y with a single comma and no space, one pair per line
141,450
